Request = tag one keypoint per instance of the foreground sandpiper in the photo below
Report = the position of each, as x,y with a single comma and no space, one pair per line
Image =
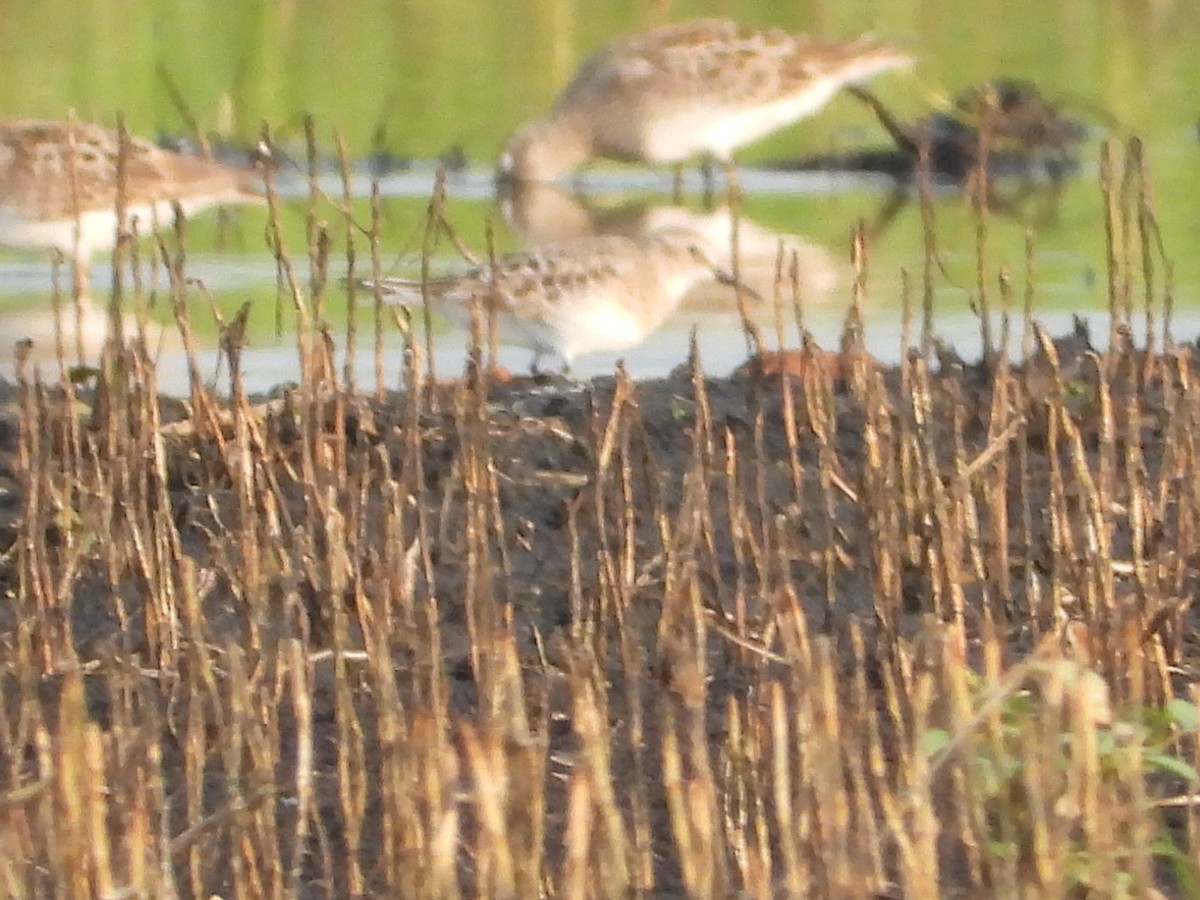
705,87
58,187
540,212
595,294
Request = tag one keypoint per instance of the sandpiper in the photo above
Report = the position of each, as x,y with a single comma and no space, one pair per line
595,294
541,212
58,187
705,87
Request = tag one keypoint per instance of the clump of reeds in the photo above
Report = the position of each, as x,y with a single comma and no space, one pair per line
838,631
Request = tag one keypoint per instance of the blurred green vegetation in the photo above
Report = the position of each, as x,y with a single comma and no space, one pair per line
434,73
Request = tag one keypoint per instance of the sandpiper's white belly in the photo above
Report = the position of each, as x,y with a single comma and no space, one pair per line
720,130
595,321
591,321
24,233
97,228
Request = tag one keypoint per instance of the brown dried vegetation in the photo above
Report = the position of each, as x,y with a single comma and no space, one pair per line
900,633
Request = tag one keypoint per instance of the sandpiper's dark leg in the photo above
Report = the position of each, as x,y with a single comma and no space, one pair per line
80,268
708,177
565,370
677,183
733,185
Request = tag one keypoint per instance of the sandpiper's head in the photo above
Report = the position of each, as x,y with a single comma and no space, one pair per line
682,247
544,150
682,258
686,258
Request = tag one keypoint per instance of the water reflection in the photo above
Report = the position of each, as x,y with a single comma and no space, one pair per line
811,208
75,332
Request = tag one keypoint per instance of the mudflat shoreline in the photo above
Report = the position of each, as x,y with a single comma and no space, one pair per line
584,593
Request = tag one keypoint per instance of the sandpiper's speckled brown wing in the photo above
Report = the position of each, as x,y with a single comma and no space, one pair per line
37,158
530,281
718,63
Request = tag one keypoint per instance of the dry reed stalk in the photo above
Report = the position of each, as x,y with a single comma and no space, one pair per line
838,636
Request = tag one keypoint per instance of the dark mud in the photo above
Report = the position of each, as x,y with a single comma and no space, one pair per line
610,472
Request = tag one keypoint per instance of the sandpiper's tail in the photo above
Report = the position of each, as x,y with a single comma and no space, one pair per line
405,291
395,290
854,62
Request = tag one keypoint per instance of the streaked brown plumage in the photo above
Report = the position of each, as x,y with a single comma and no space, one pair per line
702,87
573,297
55,176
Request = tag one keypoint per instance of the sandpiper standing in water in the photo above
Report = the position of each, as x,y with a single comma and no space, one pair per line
58,187
593,294
705,87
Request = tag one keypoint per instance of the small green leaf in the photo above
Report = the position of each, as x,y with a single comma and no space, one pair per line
936,740
1186,873
1184,714
1003,849
1173,766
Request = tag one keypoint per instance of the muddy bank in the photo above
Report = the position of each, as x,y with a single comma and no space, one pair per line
581,580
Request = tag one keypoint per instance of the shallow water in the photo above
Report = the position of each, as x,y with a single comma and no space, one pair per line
401,81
